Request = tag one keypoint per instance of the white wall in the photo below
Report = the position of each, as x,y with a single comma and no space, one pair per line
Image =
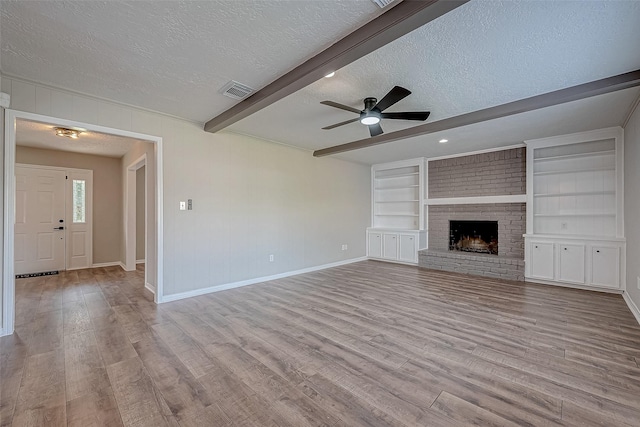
251,198
632,203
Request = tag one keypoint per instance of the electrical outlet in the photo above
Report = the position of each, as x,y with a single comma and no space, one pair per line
638,282
183,206
346,247
271,258
563,226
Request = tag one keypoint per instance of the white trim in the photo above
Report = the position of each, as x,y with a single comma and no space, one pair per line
75,92
148,286
130,225
574,237
569,285
574,138
516,198
108,264
224,287
2,332
8,279
471,153
140,261
632,306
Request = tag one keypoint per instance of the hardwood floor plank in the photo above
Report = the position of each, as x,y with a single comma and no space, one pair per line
84,370
113,344
368,343
94,409
181,391
140,403
463,411
42,392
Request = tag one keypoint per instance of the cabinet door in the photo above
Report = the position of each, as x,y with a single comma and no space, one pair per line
542,260
605,266
390,246
375,245
408,248
571,268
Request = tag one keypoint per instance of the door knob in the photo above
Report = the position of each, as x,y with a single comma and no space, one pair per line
59,228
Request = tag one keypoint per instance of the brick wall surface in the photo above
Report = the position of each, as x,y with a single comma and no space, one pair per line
511,219
498,173
481,265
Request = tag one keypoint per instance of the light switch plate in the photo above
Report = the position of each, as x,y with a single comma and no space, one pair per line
183,206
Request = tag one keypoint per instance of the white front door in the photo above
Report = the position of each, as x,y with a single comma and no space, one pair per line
40,220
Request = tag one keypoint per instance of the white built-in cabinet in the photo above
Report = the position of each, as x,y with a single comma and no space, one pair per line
398,211
575,227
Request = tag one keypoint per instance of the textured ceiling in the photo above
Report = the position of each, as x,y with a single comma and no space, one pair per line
479,55
174,57
42,135
169,56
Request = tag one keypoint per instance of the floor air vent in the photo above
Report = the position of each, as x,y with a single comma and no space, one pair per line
236,90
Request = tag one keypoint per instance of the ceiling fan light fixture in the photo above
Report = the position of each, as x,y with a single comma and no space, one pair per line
370,118
69,133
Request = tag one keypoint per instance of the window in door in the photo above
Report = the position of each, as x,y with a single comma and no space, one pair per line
79,201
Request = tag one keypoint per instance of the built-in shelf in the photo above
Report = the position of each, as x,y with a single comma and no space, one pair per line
564,172
576,156
576,193
575,214
397,195
397,175
398,187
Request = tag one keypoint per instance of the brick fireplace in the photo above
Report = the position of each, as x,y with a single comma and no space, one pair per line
500,173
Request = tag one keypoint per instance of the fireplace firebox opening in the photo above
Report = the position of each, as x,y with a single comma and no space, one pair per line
474,236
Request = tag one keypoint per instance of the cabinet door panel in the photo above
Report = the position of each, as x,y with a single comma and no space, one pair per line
605,266
571,268
408,248
375,245
542,260
390,246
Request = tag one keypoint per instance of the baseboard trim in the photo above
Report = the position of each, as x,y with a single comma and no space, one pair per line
570,285
224,287
632,306
148,286
141,261
108,264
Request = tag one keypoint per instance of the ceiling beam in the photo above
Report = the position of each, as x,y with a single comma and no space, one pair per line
401,19
573,93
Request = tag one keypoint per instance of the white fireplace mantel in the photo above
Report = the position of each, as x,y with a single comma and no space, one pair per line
516,198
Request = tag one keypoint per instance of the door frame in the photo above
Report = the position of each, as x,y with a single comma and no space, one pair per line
130,216
8,278
67,208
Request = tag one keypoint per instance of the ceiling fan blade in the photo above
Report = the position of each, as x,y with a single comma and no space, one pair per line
413,115
346,122
375,130
394,95
340,106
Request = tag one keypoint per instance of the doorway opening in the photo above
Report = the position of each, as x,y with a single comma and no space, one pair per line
153,203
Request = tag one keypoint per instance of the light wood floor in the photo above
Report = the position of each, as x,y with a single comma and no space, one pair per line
365,344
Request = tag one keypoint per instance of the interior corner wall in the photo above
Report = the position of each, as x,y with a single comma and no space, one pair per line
632,203
107,194
251,198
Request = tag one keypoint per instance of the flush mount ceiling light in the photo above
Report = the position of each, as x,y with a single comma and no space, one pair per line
443,141
69,133
331,74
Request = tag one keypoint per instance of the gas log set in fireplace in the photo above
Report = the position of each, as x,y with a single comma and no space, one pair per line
474,236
